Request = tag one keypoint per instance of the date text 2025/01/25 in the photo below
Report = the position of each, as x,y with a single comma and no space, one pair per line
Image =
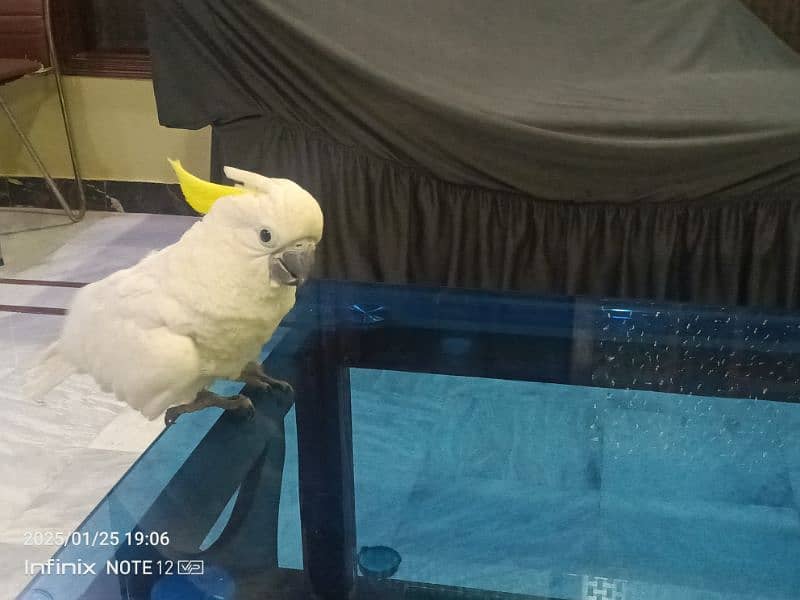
96,538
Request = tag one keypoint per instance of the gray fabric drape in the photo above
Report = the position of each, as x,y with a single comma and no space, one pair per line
629,147
569,100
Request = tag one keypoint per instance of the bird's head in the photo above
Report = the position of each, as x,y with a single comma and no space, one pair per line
271,221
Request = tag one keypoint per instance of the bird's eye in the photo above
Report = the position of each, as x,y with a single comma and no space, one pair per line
265,235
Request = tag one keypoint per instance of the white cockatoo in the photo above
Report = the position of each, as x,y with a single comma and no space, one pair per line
158,333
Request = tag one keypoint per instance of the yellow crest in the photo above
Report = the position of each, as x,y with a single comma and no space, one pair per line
199,194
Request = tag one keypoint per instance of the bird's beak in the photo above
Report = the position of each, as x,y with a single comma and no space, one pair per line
293,265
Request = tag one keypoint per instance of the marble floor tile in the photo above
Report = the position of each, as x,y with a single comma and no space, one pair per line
522,431
30,295
58,458
62,504
22,338
25,474
70,415
685,458
469,521
39,236
393,417
121,240
13,576
701,545
129,431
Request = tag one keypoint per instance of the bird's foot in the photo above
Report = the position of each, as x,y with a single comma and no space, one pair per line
238,404
245,408
254,375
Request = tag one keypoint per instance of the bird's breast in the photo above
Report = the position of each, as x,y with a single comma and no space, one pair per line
231,340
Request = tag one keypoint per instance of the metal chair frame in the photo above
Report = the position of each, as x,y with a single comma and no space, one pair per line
73,215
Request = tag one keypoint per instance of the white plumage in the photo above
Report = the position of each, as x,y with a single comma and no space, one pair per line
159,332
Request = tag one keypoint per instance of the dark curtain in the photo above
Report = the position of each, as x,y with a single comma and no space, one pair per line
393,223
624,148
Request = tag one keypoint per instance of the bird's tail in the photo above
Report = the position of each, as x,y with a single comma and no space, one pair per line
51,369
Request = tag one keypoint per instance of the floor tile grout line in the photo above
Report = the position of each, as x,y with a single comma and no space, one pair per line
37,282
32,310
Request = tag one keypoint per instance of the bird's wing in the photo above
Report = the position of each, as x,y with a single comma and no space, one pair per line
119,331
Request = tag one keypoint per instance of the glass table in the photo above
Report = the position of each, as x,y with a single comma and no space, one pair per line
464,444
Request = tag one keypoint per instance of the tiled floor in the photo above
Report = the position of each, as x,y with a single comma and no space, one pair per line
57,460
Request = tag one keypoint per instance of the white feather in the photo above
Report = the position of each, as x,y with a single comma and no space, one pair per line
249,181
51,370
157,333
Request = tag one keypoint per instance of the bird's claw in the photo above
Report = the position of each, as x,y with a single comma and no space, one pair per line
171,416
246,410
254,375
239,405
268,384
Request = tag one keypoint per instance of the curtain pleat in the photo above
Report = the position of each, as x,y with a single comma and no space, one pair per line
387,222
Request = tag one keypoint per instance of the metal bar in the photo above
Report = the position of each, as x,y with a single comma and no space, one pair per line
78,214
327,512
35,156
48,25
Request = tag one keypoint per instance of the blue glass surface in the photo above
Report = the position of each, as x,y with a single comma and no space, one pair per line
541,489
560,448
